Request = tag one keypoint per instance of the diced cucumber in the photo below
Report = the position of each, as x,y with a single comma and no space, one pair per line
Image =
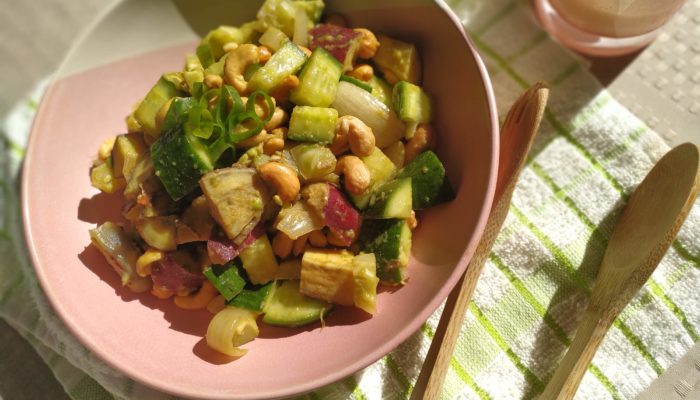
398,60
318,80
273,38
312,124
314,161
254,297
390,241
313,8
278,13
121,252
365,277
226,279
381,90
126,152
218,37
288,307
396,153
430,187
412,106
180,160
158,232
381,170
103,178
361,84
391,200
159,94
259,261
286,61
205,55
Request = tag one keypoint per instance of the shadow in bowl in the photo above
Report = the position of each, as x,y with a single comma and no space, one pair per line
209,355
100,208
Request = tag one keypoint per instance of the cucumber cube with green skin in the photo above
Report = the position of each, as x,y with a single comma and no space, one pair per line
313,8
253,297
312,124
314,161
381,170
205,55
361,84
318,80
390,241
288,307
430,187
398,60
411,104
226,279
381,90
285,62
391,200
180,160
159,94
259,261
278,13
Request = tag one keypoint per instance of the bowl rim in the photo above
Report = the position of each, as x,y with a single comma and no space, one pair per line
333,376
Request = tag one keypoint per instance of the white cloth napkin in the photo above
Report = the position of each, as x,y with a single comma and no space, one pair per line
589,155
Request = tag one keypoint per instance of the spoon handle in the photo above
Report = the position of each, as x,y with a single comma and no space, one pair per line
573,366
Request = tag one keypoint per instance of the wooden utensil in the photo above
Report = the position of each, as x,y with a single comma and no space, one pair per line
654,214
517,134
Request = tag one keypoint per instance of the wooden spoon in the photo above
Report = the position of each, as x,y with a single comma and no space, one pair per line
654,214
517,134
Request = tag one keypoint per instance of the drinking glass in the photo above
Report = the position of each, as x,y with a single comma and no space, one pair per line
605,27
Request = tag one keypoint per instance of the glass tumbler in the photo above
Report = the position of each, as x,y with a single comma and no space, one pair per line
605,27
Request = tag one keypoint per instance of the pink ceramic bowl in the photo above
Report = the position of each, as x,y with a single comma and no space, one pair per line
162,346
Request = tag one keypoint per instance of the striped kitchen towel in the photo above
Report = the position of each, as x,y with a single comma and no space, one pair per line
591,152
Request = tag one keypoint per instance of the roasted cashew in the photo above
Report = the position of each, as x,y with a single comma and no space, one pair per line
278,118
368,43
282,245
363,72
412,221
360,136
318,239
213,81
198,300
265,53
357,176
281,92
421,140
273,145
300,244
237,61
305,50
283,178
340,143
230,46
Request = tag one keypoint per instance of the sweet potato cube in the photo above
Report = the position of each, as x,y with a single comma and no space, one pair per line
328,275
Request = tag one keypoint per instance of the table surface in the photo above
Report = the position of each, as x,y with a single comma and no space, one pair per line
660,84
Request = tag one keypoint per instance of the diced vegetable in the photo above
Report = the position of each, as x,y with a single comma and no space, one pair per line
318,80
121,252
298,220
286,61
390,241
312,124
205,55
396,153
429,184
218,37
180,160
259,261
231,328
341,218
197,218
143,179
352,100
328,275
398,60
278,13
194,71
412,106
126,152
365,277
273,38
361,84
342,43
103,178
159,94
226,279
236,198
313,9
391,200
381,90
314,161
381,170
254,297
301,26
158,232
288,307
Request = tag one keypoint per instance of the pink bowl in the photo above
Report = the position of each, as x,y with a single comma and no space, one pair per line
160,345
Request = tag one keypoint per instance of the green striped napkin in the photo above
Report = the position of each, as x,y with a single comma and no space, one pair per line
590,153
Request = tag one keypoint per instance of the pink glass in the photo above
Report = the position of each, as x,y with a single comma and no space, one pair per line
605,27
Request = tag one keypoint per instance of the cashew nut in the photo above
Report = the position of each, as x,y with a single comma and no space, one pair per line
278,118
368,43
300,244
273,145
230,46
318,239
265,53
340,143
363,72
213,81
360,136
305,50
283,178
198,300
161,292
217,304
237,61
282,245
412,221
281,92
421,140
357,176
